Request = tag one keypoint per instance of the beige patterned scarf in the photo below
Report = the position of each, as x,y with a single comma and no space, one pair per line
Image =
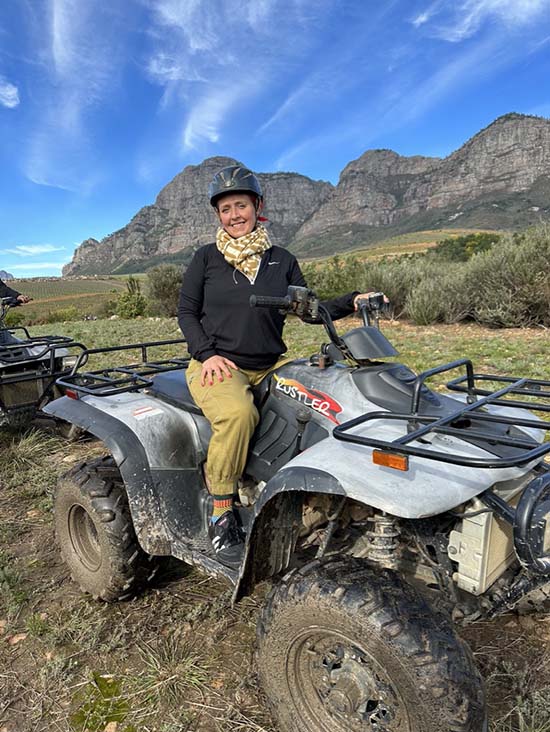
244,253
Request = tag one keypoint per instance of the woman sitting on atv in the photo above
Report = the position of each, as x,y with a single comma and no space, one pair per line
234,346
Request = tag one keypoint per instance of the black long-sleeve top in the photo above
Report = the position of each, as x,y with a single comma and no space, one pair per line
215,316
6,291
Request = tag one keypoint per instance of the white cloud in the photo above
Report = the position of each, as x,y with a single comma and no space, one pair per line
78,44
9,94
423,17
31,250
456,20
212,59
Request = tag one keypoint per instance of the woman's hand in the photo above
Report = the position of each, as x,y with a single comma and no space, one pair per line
23,299
364,296
216,366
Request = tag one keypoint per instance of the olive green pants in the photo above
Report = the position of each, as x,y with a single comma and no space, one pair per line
229,407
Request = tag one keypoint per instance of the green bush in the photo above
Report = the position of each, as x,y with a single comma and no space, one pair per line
63,314
463,248
15,316
163,287
510,284
132,303
502,281
333,278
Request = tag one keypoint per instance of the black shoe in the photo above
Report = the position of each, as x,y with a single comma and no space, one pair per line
227,540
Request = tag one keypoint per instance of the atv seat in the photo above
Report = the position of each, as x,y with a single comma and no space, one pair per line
172,387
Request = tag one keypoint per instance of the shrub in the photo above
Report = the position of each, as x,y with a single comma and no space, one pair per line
462,248
333,278
15,316
63,314
132,303
421,306
502,285
163,287
511,281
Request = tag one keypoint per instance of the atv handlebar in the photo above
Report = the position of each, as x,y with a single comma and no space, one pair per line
299,300
264,301
371,307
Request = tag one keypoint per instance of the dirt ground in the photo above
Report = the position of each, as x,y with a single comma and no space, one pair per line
179,657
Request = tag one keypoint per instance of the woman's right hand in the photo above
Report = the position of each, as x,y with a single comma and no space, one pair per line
216,366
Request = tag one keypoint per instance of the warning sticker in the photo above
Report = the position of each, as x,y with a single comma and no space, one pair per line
143,412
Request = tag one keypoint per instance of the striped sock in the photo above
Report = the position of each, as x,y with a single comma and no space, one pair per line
222,503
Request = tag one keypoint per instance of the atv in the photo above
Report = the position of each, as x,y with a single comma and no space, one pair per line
29,368
382,511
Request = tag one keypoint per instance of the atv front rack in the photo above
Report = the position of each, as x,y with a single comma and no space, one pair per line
466,423
119,379
537,388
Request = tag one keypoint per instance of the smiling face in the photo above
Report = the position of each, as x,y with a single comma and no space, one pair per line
237,213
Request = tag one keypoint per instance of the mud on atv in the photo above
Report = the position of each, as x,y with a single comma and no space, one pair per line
29,368
382,511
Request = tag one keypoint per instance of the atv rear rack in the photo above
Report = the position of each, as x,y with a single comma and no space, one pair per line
13,353
119,379
465,423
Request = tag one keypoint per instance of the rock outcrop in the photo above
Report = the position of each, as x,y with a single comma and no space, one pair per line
500,178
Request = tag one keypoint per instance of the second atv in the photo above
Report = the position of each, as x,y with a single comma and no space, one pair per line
29,368
379,508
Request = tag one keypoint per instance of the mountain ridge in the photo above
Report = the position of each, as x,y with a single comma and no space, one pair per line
499,178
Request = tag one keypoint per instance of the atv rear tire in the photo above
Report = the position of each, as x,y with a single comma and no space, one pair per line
344,647
95,532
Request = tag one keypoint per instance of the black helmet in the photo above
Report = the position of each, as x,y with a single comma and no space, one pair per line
234,179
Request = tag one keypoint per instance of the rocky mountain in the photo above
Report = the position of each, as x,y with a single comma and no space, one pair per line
5,275
500,178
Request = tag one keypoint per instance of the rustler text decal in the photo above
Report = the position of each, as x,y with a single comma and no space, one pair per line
316,400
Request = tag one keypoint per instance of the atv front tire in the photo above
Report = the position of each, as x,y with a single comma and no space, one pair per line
95,532
344,647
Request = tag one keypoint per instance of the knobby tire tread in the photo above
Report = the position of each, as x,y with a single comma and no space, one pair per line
130,568
442,663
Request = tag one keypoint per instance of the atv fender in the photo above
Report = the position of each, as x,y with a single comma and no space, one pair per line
274,528
331,467
143,464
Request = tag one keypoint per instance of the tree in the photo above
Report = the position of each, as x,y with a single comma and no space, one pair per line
163,286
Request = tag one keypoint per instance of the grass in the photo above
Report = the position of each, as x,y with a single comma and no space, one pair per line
411,243
73,297
180,657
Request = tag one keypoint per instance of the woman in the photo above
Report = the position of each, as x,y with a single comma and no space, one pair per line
234,346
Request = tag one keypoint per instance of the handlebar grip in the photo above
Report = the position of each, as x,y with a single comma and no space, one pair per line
265,301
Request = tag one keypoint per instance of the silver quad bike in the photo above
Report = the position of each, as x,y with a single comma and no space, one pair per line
29,368
383,513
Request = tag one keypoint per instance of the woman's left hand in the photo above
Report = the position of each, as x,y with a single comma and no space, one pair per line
364,296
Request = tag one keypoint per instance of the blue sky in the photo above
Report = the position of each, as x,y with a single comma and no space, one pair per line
102,103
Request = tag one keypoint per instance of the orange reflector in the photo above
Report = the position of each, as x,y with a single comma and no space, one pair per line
71,394
390,460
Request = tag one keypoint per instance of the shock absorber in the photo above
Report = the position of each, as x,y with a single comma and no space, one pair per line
383,540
